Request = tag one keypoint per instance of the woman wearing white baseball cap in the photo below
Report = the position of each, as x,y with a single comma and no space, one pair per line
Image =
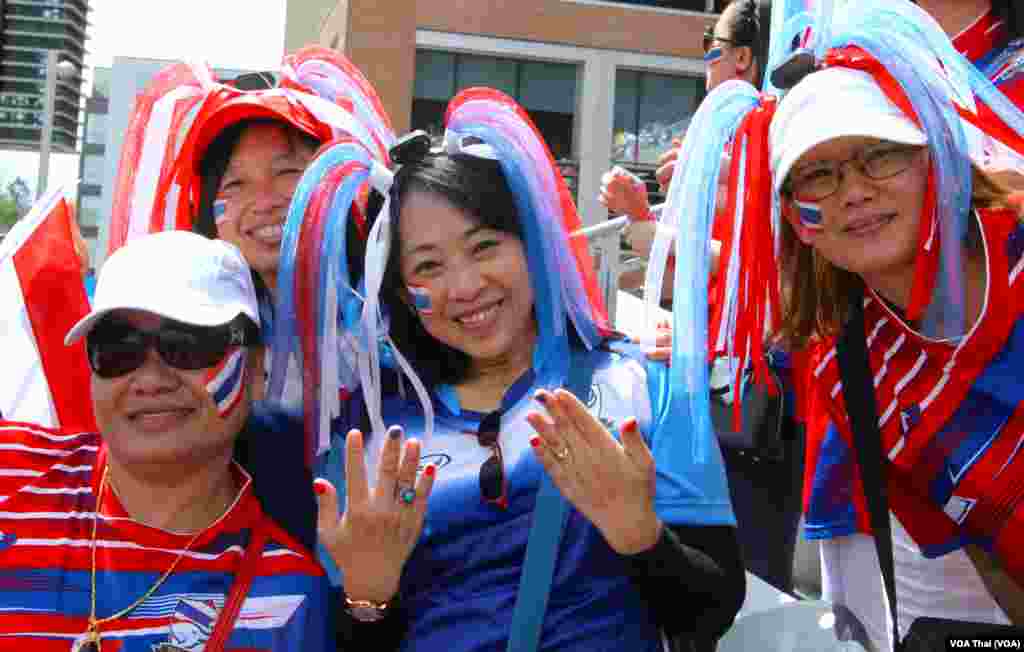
888,229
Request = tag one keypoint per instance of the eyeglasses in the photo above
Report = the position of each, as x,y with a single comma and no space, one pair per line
116,348
710,38
816,181
493,485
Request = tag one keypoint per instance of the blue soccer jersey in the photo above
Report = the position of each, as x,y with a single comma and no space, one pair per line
459,587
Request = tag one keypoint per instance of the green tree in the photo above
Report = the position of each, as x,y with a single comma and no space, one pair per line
15,202
8,213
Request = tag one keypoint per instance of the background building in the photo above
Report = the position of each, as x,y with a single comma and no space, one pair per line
92,161
28,30
606,82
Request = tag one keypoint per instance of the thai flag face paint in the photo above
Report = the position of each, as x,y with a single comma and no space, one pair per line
226,382
713,56
809,214
421,301
220,209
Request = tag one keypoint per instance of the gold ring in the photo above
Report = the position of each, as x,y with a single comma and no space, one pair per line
561,455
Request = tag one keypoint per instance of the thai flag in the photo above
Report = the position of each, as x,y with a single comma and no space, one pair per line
421,299
226,381
220,207
42,295
809,214
805,39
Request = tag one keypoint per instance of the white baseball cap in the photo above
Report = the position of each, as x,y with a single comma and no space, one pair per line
178,275
833,103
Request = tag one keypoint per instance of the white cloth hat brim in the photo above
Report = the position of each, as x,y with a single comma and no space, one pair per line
211,316
834,103
211,288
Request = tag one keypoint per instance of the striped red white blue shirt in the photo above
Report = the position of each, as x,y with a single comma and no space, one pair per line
48,484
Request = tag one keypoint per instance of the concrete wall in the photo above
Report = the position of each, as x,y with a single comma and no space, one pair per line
303,19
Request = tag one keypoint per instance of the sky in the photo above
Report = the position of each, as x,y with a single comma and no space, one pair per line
242,34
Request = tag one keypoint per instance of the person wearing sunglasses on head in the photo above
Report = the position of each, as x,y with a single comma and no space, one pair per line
735,47
497,466
149,533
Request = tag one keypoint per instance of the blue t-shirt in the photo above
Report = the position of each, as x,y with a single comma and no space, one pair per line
459,586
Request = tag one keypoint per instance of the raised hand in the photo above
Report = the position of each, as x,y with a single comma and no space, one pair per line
611,484
662,349
623,192
373,538
667,165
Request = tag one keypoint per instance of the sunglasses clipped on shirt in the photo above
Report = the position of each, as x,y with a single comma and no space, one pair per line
116,348
493,484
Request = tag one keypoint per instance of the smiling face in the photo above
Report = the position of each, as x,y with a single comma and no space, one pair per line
254,193
475,279
160,415
868,227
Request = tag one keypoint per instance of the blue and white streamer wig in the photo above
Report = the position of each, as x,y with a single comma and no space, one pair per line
319,307
687,219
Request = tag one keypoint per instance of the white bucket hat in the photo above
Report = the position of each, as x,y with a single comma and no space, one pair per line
833,103
178,275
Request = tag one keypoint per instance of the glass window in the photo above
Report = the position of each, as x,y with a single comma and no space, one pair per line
688,5
89,210
92,170
96,128
548,87
435,75
486,71
546,90
101,82
650,110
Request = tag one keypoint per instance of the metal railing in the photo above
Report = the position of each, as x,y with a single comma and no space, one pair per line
605,240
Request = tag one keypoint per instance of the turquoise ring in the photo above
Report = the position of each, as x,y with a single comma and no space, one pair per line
407,495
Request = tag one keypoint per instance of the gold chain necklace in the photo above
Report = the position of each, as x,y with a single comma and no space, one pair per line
92,640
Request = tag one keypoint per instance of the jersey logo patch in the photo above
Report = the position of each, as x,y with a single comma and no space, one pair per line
191,626
7,539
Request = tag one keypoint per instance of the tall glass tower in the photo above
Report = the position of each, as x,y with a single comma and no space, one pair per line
28,29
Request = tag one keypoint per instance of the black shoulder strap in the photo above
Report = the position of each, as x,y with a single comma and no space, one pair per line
859,396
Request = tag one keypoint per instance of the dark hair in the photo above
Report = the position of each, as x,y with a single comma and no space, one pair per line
474,185
215,163
1013,14
750,26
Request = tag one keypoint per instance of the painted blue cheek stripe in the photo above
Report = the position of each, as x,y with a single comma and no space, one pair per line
810,214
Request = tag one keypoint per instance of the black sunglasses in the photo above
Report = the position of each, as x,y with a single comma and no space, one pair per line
493,485
710,38
116,348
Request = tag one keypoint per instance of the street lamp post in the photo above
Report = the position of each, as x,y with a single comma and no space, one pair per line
54,69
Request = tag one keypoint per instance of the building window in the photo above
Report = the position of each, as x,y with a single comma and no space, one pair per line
546,90
89,210
687,5
92,170
651,110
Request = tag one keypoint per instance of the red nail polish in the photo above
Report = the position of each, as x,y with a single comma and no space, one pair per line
430,470
630,424
541,398
319,488
535,441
